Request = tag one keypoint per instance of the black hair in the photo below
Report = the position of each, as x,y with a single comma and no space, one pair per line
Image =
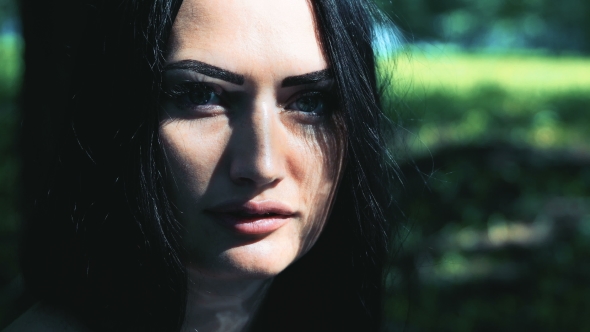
100,236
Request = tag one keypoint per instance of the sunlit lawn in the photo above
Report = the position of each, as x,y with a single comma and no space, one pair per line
533,100
459,73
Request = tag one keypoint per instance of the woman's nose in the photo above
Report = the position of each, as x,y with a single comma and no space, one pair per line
258,146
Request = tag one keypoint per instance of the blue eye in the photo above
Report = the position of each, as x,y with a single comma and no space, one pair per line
191,94
201,95
313,103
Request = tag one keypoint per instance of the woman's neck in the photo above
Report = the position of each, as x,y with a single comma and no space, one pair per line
218,304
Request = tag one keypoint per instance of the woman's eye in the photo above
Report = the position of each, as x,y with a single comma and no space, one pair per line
189,95
201,95
311,102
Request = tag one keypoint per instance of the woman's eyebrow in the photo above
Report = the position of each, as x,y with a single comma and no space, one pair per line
309,78
207,70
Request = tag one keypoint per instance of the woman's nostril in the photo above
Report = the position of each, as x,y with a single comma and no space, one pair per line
251,172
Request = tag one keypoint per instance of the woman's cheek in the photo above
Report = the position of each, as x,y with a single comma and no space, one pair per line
193,149
317,182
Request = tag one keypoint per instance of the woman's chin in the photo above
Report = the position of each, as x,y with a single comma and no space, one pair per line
258,260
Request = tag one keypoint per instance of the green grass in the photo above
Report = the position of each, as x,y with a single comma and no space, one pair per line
453,99
12,66
459,74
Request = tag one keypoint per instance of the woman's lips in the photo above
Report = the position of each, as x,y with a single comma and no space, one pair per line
252,217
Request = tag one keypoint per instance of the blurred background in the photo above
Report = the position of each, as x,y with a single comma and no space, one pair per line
492,99
11,71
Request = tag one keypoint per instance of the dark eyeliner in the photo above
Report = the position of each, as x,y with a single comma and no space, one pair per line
327,98
180,89
181,95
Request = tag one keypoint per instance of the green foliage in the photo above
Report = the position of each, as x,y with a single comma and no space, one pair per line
506,24
11,50
8,10
451,99
496,193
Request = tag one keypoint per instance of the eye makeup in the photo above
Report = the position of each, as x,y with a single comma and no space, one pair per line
189,85
238,79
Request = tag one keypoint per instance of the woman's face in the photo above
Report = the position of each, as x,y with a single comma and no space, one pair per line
253,162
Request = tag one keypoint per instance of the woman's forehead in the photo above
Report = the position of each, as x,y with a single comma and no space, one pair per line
251,37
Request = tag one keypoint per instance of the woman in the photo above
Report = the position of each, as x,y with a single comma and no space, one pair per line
221,166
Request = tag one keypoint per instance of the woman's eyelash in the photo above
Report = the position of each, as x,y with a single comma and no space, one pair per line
194,95
191,95
313,102
181,89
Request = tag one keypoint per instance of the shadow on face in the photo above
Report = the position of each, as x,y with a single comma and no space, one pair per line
253,151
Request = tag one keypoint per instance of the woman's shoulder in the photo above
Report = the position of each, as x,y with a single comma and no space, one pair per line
47,318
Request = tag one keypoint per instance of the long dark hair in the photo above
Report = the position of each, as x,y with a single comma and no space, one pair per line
100,236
